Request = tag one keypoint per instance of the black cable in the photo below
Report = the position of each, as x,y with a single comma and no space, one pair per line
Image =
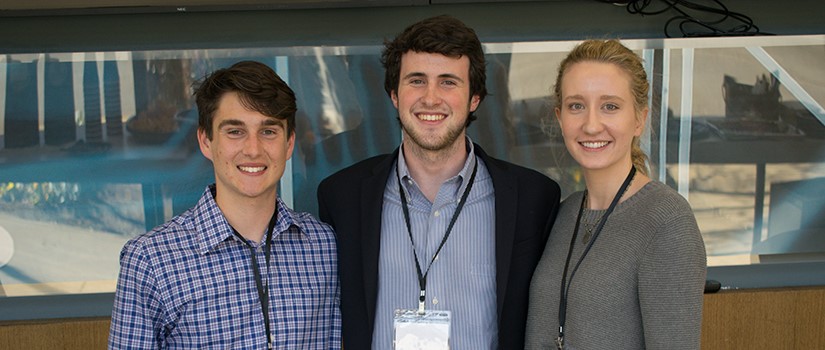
694,19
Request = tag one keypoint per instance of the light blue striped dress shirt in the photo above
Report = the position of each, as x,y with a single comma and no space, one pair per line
463,277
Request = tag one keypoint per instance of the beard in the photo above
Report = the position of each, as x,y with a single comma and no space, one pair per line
435,141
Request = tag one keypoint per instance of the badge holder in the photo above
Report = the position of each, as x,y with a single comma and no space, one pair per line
429,330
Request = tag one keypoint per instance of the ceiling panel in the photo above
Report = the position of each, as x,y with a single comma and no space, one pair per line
194,5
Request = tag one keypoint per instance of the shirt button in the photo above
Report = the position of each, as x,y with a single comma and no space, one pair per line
435,301
437,213
436,257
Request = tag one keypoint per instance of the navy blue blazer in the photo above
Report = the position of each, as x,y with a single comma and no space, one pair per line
351,200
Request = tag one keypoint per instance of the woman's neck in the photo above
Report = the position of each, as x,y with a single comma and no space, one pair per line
602,186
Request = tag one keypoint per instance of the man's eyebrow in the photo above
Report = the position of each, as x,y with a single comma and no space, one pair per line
232,122
273,121
451,76
442,76
414,74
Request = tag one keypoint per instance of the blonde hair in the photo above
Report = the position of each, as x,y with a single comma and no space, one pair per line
613,52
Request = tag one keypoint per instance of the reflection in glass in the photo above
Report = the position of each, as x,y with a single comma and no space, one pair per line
96,147
66,235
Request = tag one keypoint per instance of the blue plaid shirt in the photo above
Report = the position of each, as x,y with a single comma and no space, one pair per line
188,284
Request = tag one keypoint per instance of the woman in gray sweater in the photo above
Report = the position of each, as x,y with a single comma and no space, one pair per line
624,267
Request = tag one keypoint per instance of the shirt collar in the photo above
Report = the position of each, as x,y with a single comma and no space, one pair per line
212,228
469,166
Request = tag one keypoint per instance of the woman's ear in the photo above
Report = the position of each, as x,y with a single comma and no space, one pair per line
641,120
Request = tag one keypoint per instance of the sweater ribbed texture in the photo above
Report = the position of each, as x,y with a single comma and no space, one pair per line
639,287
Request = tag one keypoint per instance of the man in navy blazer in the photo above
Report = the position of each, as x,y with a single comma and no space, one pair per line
390,212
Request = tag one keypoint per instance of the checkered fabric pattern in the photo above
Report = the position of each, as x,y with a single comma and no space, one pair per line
188,284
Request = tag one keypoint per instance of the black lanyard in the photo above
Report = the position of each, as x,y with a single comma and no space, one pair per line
263,291
565,286
422,277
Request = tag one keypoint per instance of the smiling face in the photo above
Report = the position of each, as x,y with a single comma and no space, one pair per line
597,116
248,151
433,100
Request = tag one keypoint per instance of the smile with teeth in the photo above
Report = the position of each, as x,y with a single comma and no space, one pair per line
594,144
431,117
252,169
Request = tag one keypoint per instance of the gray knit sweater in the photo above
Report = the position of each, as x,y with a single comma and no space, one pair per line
639,287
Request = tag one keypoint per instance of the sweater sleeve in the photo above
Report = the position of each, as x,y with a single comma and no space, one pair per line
671,283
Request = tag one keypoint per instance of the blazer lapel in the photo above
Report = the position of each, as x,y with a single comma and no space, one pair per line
372,202
506,198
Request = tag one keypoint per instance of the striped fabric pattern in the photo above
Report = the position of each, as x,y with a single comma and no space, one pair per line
462,279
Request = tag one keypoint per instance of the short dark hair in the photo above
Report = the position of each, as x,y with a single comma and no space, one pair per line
258,86
444,35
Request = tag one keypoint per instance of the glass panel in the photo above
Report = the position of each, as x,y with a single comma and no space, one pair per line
97,147
754,135
344,115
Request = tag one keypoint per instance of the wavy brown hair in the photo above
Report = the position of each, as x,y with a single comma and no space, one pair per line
259,88
444,35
